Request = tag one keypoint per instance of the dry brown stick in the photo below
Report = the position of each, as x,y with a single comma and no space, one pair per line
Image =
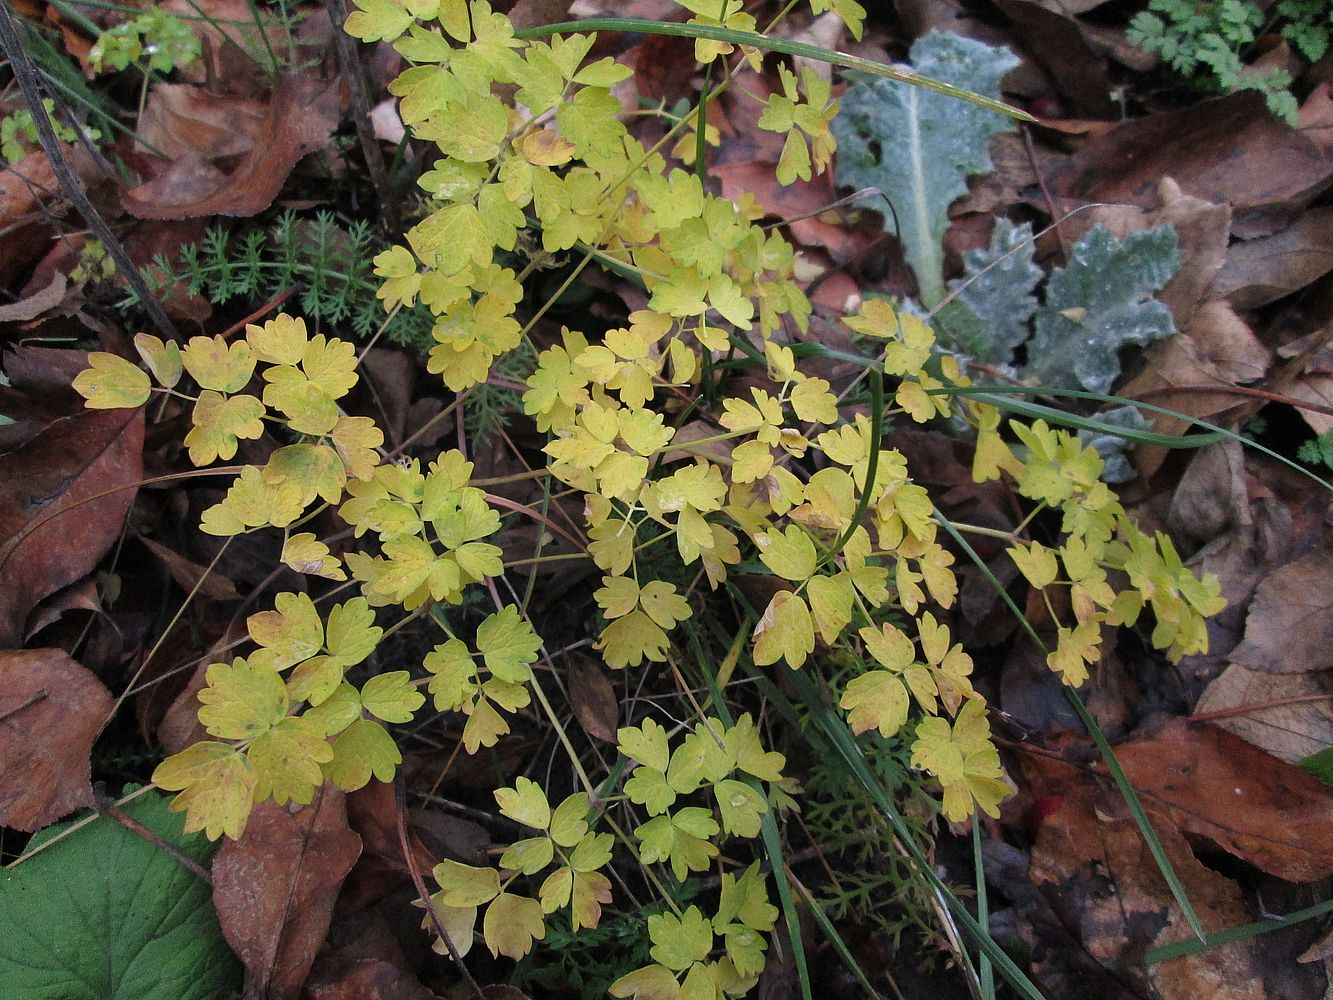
110,810
400,808
356,88
26,76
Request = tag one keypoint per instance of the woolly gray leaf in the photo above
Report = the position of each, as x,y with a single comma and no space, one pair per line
1099,303
992,314
919,147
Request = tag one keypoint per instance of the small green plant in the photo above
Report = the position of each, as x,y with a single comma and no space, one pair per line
18,132
1207,42
1318,450
328,265
166,41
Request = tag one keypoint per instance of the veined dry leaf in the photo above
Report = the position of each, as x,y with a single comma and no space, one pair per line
1289,731
275,888
302,113
1228,150
52,536
1216,786
1261,271
1290,625
51,712
594,699
1095,868
188,575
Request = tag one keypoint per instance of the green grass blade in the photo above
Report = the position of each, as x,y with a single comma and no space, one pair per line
985,973
1098,737
784,45
1183,949
768,830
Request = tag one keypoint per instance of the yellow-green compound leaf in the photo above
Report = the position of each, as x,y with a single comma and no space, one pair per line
528,856
112,383
337,711
307,407
512,923
746,899
648,787
364,749
314,469
790,554
217,785
684,838
592,852
352,634
663,604
356,440
216,365
162,358
627,641
289,634
785,631
652,982
287,761
876,700
306,554
315,679
699,760
392,696
748,751
453,681
583,892
525,803
740,806
378,20
679,942
569,820
280,341
466,885
251,502
647,744
508,644
218,422
242,699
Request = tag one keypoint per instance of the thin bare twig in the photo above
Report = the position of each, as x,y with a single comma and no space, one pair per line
356,88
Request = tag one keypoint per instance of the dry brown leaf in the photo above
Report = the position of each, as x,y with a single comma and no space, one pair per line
1214,785
593,699
1228,150
1261,271
363,979
275,888
1291,731
1056,41
1096,871
179,119
37,303
1290,625
189,575
301,115
51,712
53,538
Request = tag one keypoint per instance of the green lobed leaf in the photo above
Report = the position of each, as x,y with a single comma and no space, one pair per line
106,915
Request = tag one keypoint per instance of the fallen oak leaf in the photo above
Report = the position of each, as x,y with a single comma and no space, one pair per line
1214,785
51,711
56,532
301,115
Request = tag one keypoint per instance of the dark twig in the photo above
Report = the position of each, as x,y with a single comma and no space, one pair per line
26,76
400,797
356,88
110,810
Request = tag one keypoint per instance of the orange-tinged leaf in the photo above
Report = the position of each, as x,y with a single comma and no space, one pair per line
216,784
